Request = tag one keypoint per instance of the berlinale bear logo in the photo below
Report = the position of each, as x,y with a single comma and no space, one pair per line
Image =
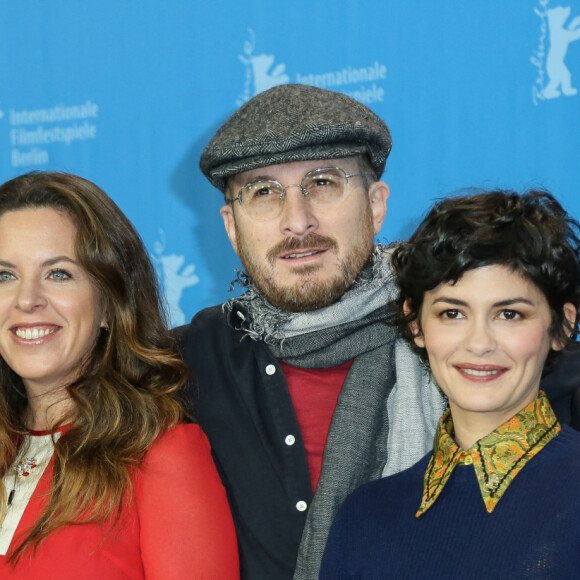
553,63
260,76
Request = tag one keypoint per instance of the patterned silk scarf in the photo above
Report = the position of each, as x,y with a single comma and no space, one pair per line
497,458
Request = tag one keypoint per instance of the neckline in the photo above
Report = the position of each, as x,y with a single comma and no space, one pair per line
524,436
42,433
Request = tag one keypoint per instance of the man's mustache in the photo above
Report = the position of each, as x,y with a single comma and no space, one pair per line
309,241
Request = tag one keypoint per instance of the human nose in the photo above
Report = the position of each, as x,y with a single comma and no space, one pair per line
298,218
480,339
30,296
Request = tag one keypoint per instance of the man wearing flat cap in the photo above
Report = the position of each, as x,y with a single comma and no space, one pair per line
294,382
303,390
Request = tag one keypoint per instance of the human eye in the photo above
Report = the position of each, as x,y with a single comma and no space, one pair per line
59,275
323,180
510,315
451,314
5,276
261,190
324,185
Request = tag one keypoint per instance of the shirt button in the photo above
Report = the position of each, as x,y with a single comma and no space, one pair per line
301,506
468,460
290,440
270,369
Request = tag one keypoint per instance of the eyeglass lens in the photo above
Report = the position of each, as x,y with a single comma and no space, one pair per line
264,199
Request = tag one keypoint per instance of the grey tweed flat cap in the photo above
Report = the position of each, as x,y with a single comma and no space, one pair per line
295,123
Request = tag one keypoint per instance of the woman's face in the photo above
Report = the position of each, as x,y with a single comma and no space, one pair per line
50,310
487,338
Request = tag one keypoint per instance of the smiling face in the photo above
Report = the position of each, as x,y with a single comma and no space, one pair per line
50,312
307,257
487,338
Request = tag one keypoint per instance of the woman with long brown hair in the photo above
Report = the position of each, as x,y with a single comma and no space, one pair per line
101,477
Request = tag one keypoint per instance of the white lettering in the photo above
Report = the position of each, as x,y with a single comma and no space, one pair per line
56,114
35,156
346,76
42,136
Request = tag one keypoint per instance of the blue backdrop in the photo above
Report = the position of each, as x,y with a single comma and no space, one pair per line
127,93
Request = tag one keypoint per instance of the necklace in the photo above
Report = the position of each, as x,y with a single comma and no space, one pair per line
21,470
32,457
21,480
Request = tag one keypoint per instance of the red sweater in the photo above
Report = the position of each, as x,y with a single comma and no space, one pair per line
179,525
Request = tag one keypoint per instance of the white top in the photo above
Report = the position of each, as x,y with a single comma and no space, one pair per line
35,455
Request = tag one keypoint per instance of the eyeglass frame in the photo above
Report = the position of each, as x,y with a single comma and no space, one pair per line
303,190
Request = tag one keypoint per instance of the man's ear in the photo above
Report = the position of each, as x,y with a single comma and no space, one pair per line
227,213
378,194
414,326
570,313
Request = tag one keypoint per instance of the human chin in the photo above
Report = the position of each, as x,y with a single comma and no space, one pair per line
308,293
310,288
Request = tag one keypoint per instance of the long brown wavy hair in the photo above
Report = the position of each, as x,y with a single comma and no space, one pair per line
127,393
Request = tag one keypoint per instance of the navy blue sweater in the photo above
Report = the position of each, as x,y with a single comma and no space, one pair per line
534,531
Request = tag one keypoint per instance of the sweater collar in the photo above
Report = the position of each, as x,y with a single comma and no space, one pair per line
496,458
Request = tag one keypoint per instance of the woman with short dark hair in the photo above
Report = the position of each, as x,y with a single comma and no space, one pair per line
489,289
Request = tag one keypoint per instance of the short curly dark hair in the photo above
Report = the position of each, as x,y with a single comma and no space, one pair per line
530,233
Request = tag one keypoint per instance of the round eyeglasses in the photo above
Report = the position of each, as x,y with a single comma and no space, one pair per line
263,200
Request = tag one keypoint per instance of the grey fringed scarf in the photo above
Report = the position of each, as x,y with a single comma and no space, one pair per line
388,408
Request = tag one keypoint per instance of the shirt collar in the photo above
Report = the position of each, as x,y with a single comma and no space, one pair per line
496,458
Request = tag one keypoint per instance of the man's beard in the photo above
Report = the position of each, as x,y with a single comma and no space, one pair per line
308,292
